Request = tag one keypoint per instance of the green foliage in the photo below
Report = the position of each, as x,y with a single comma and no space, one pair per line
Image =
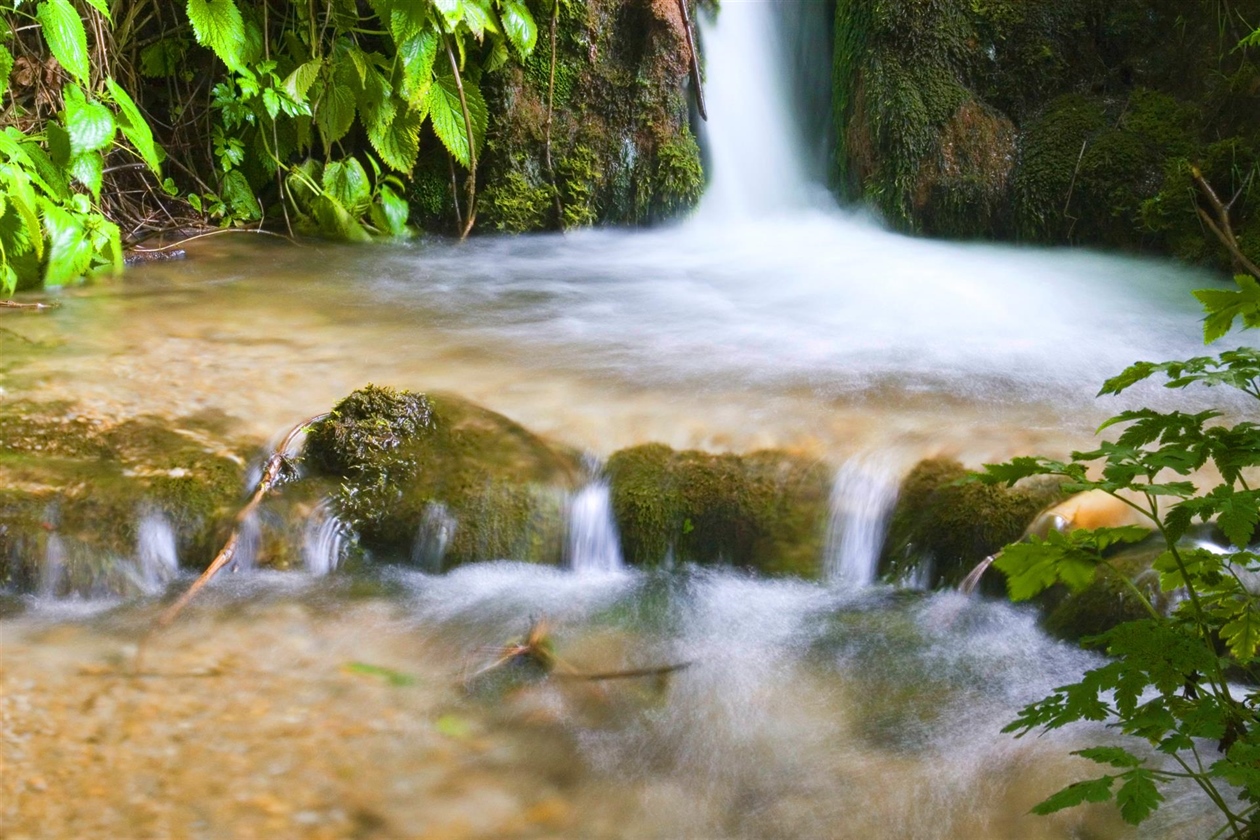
1172,679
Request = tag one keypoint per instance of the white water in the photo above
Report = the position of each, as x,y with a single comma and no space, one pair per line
862,499
157,559
324,540
594,545
433,535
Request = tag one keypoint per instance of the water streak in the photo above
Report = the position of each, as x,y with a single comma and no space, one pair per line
594,545
433,536
862,500
157,558
324,540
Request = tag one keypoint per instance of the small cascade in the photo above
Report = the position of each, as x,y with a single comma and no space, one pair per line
247,545
324,540
53,571
157,559
594,545
437,529
862,500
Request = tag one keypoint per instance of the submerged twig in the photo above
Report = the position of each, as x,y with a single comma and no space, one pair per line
36,307
216,232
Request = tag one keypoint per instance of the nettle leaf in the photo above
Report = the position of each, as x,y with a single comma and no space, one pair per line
518,25
447,116
336,222
6,67
161,59
101,6
1224,306
239,198
408,20
69,249
335,112
418,54
398,141
452,11
218,24
88,169
134,126
346,181
90,125
393,212
66,37
479,18
298,83
1093,790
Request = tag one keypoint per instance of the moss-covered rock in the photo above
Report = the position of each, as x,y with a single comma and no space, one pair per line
405,461
765,511
1108,600
74,489
1051,120
949,526
615,147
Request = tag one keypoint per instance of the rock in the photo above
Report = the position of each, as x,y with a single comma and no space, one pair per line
765,511
952,526
401,456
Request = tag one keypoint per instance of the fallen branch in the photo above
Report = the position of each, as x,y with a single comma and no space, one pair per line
274,474
37,307
695,61
1222,228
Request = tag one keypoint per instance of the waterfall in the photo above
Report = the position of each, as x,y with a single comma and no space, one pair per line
757,160
324,540
433,535
862,499
594,545
157,560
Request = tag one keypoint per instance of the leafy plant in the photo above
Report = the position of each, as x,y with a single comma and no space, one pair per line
1184,682
51,221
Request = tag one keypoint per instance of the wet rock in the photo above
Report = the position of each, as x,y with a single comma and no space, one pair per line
765,511
399,456
74,492
949,527
1108,600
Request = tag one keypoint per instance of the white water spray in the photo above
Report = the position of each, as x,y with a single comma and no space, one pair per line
433,536
157,559
594,545
324,541
862,500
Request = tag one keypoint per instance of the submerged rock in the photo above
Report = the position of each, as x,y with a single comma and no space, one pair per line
948,527
765,511
93,507
403,457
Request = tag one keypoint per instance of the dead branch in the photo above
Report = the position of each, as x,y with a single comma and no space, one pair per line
37,307
695,61
1222,228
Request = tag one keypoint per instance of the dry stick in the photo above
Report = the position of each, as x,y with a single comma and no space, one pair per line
695,61
38,307
217,232
471,182
551,97
1225,231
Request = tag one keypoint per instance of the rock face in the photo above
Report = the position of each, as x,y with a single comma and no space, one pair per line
1049,120
765,511
83,501
441,479
616,146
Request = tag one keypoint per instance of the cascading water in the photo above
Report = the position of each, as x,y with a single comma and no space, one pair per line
157,559
593,544
324,540
862,499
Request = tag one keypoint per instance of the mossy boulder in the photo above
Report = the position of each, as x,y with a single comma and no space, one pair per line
765,511
948,525
434,470
615,146
85,484
1056,121
1108,600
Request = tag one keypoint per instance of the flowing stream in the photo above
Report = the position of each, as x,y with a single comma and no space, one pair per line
333,703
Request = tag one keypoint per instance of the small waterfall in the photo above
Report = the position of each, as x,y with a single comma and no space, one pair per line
53,572
594,545
324,540
157,559
862,499
247,545
433,536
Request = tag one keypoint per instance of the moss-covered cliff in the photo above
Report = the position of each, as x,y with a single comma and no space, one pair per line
1059,121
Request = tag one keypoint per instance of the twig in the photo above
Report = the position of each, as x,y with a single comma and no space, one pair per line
656,671
551,98
216,232
470,182
38,307
695,62
1222,228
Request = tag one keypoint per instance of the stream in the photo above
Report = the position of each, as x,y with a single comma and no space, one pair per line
336,704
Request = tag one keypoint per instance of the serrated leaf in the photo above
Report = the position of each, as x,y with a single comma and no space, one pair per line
89,125
1239,515
452,12
518,25
24,201
101,6
1138,797
298,83
6,67
1223,307
407,20
88,169
346,181
335,222
394,210
134,126
1093,790
418,54
1243,633
66,37
239,198
447,116
479,18
335,112
69,250
218,24
398,142
1113,756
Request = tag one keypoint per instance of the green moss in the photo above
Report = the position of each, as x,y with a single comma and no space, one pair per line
764,511
514,205
398,454
953,525
580,178
679,180
1108,600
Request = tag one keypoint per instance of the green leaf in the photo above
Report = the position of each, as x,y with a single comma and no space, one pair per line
299,82
1093,790
90,125
407,20
479,18
1114,756
335,112
134,126
1223,307
69,249
1239,515
346,181
394,678
418,54
393,210
101,6
23,198
1243,633
398,142
447,116
239,198
6,67
218,24
66,37
335,222
88,169
452,12
1138,796
161,59
518,25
